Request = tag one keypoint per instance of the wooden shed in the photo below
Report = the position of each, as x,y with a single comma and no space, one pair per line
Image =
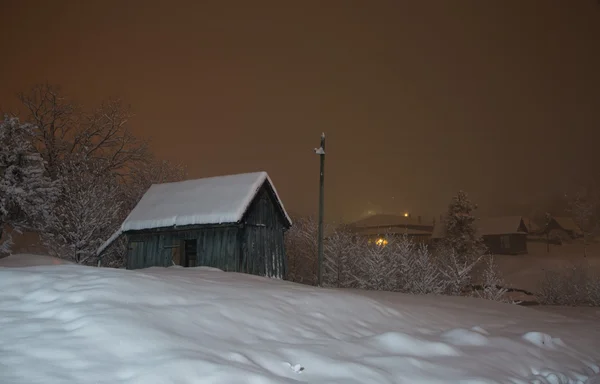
566,225
501,235
234,223
504,235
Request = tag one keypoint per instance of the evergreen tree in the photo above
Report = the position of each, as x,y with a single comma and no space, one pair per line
26,193
461,234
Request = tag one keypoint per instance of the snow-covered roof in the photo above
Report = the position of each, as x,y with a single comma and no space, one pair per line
439,230
487,226
500,225
213,200
531,225
567,223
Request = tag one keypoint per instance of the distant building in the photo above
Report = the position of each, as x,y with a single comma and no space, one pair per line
378,227
504,235
566,225
532,227
235,223
501,235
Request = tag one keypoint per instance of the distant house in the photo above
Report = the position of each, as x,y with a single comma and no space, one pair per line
504,235
235,223
532,226
380,226
565,224
501,235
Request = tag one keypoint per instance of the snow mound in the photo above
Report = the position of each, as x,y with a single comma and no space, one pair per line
79,324
28,260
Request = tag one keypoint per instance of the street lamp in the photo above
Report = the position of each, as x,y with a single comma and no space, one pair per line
321,152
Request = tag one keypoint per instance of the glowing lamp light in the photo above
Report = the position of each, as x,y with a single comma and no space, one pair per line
381,242
406,214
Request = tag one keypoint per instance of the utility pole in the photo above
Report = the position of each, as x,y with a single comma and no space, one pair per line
321,152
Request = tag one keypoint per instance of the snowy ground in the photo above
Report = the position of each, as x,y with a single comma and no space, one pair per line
528,271
73,324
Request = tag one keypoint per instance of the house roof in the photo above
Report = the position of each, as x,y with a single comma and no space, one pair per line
439,229
531,225
213,200
392,230
386,220
567,223
488,226
501,225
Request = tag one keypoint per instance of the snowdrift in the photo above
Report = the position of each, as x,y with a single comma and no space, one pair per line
30,260
74,324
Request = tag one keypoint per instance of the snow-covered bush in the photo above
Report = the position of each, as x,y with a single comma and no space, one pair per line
339,254
26,193
572,286
351,261
301,251
492,283
379,267
420,274
87,213
456,269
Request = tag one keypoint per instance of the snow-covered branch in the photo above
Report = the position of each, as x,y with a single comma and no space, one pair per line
27,195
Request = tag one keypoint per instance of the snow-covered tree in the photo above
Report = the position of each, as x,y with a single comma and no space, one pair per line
339,253
420,271
141,175
301,250
379,264
87,212
492,283
456,270
26,193
461,234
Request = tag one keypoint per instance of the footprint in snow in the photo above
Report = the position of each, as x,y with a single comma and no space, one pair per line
296,367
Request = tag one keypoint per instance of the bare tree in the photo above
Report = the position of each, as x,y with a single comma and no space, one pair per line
151,171
55,119
64,129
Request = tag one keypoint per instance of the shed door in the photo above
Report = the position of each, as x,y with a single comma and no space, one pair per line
135,255
176,254
189,252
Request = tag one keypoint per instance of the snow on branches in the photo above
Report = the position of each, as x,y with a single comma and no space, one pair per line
26,193
87,212
461,236
398,264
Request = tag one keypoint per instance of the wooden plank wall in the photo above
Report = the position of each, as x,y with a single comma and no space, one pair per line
256,247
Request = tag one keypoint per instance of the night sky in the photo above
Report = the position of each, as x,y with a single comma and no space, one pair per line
418,99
